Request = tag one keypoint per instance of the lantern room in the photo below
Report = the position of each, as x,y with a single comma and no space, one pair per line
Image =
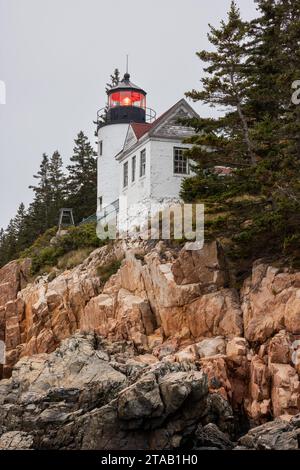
127,98
126,103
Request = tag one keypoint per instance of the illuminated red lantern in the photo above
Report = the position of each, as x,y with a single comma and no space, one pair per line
126,94
126,102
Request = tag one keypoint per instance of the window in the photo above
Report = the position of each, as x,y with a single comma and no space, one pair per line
143,163
180,161
127,98
100,147
125,175
100,203
133,168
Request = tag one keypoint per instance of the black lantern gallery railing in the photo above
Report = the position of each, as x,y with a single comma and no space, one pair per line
123,114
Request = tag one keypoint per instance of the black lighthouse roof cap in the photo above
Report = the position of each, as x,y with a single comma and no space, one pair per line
125,84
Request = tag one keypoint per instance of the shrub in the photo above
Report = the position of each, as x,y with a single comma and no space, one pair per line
43,241
80,237
78,242
46,257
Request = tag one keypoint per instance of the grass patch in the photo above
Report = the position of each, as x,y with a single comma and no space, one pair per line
73,258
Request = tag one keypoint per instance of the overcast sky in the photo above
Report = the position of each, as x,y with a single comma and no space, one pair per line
56,56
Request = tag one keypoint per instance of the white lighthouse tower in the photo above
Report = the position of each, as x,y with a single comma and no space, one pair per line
142,161
126,105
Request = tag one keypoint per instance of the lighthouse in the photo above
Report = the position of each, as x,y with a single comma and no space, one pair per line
141,159
126,104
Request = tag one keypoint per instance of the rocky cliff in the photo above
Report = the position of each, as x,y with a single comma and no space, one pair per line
164,354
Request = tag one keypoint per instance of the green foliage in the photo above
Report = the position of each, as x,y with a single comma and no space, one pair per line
82,179
114,80
250,69
224,140
80,237
41,242
49,248
51,193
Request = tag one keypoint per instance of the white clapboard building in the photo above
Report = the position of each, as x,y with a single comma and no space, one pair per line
141,161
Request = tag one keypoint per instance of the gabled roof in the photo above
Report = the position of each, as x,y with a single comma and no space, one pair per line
164,117
142,130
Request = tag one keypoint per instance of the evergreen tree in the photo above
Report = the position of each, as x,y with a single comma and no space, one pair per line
275,65
19,225
113,81
57,181
51,192
3,247
82,178
42,196
2,236
261,198
225,140
11,240
274,60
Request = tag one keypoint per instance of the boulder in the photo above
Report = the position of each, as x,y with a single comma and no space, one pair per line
94,394
141,400
38,317
276,435
13,277
211,437
237,350
270,303
175,388
217,373
211,347
16,440
99,315
285,391
206,267
280,348
258,405
47,389
214,315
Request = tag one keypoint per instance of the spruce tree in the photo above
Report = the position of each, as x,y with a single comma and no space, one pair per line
261,199
82,178
227,139
42,196
3,247
19,224
11,239
113,81
57,181
275,64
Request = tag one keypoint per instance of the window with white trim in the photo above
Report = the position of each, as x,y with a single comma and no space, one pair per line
180,161
143,163
133,169
125,175
100,150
